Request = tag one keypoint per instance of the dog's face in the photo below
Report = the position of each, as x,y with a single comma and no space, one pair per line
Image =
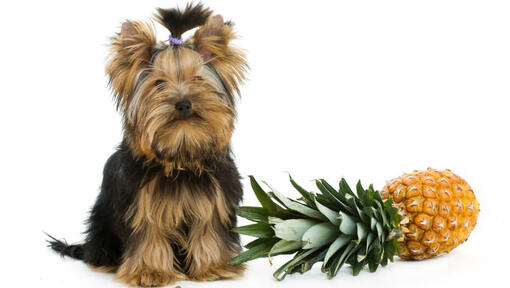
177,100
181,106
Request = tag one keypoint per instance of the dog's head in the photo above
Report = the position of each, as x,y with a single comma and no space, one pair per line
177,97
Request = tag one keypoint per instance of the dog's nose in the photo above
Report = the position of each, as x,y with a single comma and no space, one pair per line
183,109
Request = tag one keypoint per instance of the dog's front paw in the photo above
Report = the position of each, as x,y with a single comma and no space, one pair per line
147,278
215,272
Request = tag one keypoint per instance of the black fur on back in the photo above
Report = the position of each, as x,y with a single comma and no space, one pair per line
178,21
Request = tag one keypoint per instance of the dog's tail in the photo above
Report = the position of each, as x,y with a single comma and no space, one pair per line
75,251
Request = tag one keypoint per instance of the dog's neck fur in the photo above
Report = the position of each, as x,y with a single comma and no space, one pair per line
175,165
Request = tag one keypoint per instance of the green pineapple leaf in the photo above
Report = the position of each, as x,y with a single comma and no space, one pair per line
256,251
331,226
260,230
263,198
307,196
255,214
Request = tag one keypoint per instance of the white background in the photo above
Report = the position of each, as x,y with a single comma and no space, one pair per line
360,89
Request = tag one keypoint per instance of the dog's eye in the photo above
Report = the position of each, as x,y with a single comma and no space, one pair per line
198,78
159,83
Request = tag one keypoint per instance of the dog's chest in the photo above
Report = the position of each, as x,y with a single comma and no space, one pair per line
167,203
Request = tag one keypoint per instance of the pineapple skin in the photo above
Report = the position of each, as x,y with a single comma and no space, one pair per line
439,208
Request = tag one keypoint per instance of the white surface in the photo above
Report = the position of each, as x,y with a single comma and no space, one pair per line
366,89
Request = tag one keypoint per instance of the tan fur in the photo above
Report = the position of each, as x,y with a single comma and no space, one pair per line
150,113
207,255
149,260
213,42
156,219
104,269
131,51
208,131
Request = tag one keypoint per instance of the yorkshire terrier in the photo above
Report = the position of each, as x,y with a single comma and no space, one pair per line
170,192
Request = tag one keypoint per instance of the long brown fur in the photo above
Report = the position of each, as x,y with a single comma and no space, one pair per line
131,50
157,218
212,42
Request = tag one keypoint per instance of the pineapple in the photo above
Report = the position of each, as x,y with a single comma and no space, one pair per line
416,216
440,211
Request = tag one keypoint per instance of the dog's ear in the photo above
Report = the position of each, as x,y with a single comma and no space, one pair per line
212,41
131,50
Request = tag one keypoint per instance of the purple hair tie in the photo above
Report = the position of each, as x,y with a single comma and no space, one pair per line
175,41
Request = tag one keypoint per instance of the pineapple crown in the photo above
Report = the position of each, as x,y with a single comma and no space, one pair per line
335,226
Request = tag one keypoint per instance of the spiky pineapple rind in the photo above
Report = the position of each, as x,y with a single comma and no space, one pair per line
439,208
333,227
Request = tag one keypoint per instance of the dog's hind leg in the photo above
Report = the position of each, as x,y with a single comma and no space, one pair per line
107,232
102,248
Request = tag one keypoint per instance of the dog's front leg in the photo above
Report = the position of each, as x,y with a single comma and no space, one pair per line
149,260
209,251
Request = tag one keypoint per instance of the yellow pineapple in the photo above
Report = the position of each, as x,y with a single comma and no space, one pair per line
439,208
415,216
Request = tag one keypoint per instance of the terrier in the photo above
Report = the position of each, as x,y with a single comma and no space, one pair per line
170,192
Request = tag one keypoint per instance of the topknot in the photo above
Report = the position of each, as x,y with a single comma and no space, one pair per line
179,21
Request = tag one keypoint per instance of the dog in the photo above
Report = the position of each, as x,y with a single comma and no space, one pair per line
170,192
